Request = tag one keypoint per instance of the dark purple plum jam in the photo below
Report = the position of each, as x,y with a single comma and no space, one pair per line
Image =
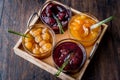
64,49
60,12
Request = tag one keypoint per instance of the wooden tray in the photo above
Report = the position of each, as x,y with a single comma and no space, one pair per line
47,63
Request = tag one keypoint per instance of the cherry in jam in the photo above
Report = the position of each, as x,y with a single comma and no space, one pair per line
60,12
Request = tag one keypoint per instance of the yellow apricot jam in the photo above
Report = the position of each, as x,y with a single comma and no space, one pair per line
39,41
79,27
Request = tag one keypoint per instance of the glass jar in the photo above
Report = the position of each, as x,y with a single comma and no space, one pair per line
39,41
69,49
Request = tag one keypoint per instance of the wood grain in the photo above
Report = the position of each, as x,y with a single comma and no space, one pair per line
105,64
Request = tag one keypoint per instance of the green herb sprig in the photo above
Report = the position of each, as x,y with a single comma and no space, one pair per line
67,59
59,24
62,67
20,34
101,22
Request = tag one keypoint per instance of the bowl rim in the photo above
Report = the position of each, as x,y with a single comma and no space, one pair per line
80,46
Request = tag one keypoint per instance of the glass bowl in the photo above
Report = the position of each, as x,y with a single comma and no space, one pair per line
62,13
73,49
39,41
79,29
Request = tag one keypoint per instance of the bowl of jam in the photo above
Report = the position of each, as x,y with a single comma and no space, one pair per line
73,49
39,41
79,28
61,12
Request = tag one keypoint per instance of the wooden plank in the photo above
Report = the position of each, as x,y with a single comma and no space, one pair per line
1,9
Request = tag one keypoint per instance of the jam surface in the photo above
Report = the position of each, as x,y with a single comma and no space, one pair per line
63,50
60,12
79,27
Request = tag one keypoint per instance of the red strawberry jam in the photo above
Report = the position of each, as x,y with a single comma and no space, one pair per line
59,11
74,50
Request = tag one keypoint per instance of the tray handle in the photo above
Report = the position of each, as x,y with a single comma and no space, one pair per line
31,18
93,50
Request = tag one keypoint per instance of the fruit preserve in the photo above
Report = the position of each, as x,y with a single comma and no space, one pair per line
39,41
61,13
79,27
74,50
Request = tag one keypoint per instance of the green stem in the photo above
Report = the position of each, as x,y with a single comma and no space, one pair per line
65,63
62,67
10,31
59,24
101,22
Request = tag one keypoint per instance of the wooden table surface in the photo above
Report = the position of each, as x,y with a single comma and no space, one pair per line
14,14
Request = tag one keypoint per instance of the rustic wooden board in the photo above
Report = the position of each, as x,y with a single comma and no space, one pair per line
47,63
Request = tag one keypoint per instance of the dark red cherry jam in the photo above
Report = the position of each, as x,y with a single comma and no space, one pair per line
72,49
59,11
